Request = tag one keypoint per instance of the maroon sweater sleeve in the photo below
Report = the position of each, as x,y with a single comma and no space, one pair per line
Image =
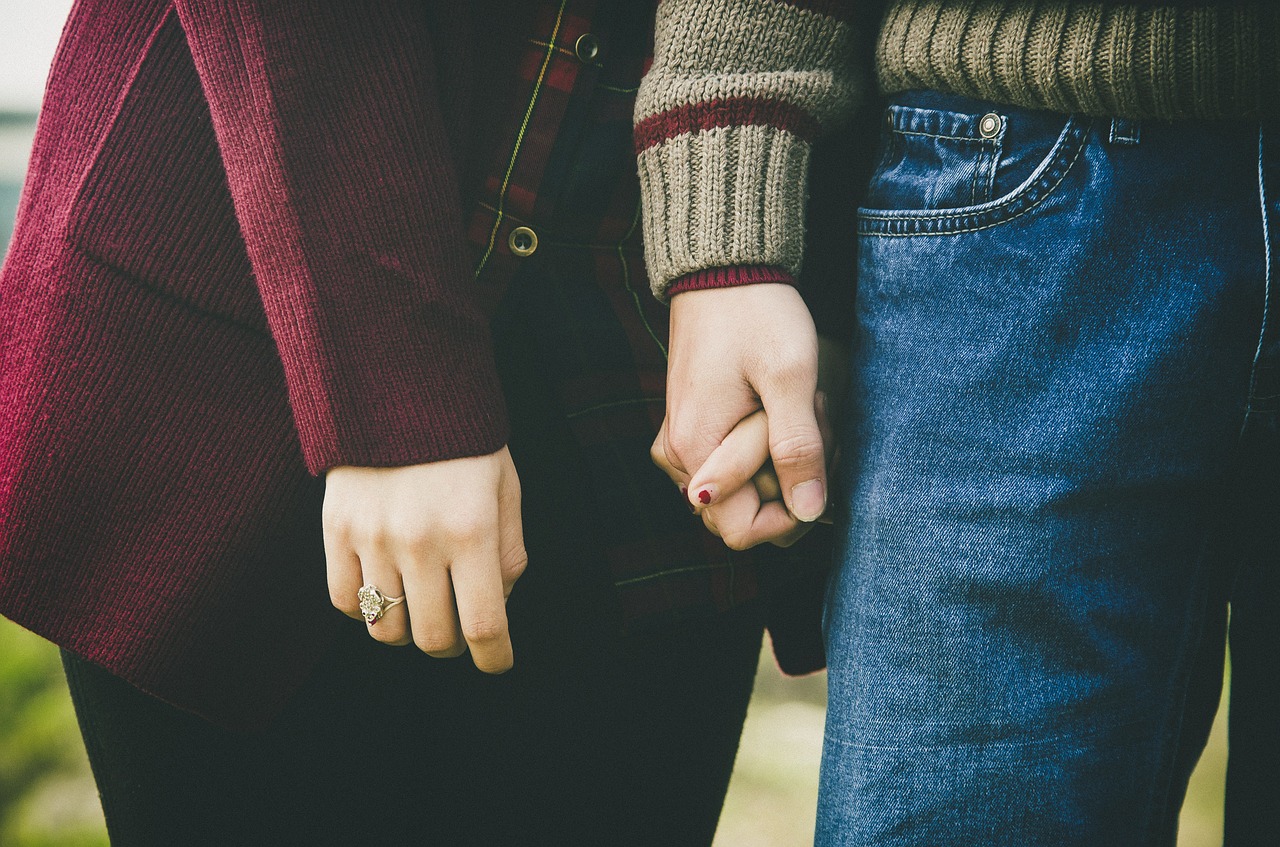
346,192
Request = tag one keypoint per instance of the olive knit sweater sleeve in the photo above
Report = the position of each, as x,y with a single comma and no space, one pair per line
346,194
725,118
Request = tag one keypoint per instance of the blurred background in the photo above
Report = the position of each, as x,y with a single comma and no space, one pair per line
47,796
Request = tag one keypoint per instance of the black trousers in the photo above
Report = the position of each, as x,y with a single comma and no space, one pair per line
594,738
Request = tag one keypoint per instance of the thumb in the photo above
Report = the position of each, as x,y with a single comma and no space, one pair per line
796,445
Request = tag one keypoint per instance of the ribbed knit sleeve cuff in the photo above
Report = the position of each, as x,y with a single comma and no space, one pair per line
697,215
729,278
724,119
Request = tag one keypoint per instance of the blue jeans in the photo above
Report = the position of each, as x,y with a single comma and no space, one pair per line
1060,468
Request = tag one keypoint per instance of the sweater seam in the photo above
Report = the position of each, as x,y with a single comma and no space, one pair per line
168,296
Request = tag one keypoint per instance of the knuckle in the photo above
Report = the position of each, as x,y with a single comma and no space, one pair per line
680,445
371,535
465,531
394,636
484,630
790,364
737,540
409,529
344,602
435,641
333,504
792,537
335,523
795,449
658,453
514,565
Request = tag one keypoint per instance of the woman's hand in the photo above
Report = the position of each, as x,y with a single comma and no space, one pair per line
734,351
739,470
446,536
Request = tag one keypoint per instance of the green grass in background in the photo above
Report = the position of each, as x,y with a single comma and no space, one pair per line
47,797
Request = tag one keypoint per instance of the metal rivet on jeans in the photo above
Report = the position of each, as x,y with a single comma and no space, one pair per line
990,125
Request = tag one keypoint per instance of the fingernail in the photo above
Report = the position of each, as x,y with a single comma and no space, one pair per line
684,492
704,496
809,500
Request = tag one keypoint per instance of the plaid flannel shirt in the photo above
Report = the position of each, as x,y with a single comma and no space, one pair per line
560,208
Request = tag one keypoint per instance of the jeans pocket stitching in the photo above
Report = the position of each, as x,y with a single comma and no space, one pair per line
1046,179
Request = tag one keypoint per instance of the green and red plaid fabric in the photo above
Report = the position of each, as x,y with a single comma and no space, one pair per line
566,170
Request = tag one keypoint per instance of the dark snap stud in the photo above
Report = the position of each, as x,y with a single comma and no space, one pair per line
586,48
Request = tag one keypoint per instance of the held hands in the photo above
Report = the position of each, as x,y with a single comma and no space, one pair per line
748,383
446,536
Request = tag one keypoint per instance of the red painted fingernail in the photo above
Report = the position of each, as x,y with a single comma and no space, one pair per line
684,492
704,496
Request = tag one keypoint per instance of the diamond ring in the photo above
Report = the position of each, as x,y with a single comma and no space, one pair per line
373,603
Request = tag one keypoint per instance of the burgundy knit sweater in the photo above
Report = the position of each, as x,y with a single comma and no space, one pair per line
240,241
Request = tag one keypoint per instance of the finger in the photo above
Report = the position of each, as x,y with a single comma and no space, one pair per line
826,427
658,454
512,557
380,571
801,530
433,620
743,521
732,465
796,447
709,521
733,515
342,570
670,457
477,588
766,483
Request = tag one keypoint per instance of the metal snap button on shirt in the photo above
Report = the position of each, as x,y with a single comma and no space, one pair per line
523,241
990,125
586,48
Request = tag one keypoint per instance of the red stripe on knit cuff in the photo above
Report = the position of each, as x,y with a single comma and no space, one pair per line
841,10
726,112
729,277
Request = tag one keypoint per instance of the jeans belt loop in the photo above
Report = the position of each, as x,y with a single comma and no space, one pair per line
1125,132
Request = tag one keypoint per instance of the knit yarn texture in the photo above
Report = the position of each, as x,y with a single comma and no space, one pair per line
1104,59
723,130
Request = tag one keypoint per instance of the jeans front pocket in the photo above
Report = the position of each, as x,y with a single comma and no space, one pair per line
952,164
935,159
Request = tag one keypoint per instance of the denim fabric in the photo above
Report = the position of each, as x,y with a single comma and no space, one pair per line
1059,465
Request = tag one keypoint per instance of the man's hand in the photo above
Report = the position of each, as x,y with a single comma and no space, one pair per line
735,351
445,535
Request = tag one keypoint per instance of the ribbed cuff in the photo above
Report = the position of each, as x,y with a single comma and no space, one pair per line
729,277
1168,60
698,214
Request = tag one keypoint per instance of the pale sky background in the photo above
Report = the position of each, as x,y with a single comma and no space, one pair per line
29,31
